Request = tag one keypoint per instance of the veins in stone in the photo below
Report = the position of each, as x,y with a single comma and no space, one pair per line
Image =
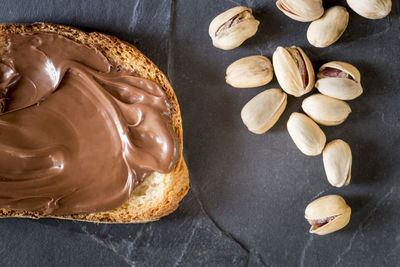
135,17
303,252
364,223
248,251
185,247
110,246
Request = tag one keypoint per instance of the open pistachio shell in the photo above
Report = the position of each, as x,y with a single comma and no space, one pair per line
327,29
326,110
294,70
340,80
231,28
264,110
301,10
337,162
306,134
327,214
371,9
249,72
344,67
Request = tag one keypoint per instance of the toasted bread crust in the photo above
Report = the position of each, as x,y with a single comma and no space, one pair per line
174,184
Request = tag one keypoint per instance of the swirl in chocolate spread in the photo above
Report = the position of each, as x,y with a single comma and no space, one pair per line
76,133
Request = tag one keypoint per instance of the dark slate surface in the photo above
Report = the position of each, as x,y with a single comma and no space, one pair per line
248,191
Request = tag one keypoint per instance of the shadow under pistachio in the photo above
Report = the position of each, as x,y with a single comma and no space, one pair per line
293,105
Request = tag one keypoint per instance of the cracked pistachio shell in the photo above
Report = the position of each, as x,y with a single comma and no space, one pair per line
339,80
264,110
327,214
231,28
248,72
306,134
326,110
289,70
371,9
326,30
301,10
337,162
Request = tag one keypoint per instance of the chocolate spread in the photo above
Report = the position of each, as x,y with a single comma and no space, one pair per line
77,133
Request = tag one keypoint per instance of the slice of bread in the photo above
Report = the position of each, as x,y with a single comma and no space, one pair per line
159,194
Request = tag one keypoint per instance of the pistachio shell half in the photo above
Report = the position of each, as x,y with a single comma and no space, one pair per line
301,10
231,28
306,134
327,214
371,9
326,110
337,162
264,110
294,70
249,72
327,29
340,80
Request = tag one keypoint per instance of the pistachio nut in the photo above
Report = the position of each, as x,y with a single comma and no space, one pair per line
327,214
306,134
294,70
340,80
231,28
371,9
301,10
337,162
247,72
264,110
327,29
326,110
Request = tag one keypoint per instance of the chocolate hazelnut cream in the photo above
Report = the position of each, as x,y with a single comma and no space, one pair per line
77,134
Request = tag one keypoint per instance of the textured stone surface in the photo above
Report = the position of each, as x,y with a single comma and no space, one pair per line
248,191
